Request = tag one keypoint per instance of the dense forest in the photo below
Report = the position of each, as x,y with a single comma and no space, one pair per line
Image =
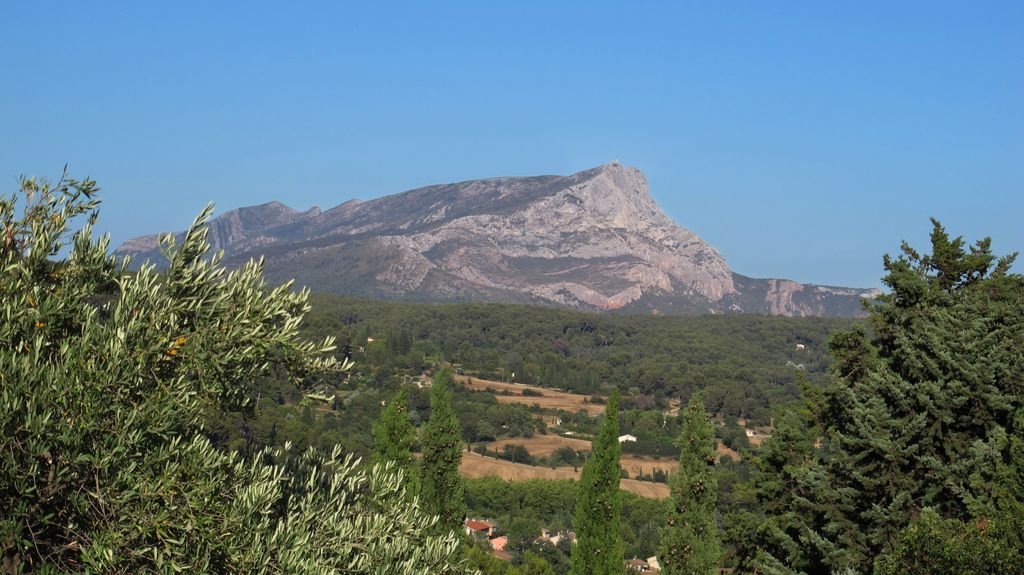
744,364
201,419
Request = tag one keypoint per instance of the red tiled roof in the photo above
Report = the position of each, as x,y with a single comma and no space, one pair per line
477,525
499,543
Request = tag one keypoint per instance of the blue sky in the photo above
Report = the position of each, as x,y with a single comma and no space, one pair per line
802,139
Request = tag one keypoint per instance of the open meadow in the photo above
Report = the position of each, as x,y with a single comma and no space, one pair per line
475,465
547,398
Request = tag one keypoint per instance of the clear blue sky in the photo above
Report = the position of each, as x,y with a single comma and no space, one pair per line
802,139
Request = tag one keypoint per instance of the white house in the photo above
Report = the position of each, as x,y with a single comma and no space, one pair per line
627,437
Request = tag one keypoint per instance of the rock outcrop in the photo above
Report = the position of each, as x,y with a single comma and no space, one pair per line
592,240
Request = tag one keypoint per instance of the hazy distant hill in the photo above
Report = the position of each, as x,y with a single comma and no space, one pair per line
593,240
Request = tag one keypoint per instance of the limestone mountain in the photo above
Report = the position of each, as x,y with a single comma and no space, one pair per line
593,240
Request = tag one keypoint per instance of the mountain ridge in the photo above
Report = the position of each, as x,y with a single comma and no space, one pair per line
592,240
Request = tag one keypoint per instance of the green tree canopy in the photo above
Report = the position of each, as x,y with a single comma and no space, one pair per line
690,543
786,472
104,379
919,410
932,544
393,437
442,487
599,548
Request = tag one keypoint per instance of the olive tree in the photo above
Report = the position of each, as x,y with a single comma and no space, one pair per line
105,374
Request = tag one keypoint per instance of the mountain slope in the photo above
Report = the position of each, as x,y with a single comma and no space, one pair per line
591,240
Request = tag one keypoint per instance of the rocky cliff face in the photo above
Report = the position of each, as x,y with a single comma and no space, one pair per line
592,240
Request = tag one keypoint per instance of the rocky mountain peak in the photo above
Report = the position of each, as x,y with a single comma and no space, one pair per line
593,240
621,194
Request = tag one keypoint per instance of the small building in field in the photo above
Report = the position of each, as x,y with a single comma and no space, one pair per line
479,529
627,437
499,543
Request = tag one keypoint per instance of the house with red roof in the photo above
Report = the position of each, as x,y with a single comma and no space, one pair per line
480,529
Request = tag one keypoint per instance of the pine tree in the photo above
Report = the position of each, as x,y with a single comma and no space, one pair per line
992,542
441,486
690,542
599,548
918,411
1008,505
394,434
787,537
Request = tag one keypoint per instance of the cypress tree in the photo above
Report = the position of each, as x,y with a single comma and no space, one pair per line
441,486
599,548
393,437
690,543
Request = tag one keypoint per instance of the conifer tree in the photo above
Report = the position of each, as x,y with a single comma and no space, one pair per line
442,488
1009,493
393,435
786,539
599,548
918,412
992,542
690,542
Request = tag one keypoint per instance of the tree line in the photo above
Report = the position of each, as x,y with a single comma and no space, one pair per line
744,364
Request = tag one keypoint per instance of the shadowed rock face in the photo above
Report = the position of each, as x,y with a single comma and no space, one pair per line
593,240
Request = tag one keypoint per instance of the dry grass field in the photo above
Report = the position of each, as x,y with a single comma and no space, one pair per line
543,445
550,399
474,465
